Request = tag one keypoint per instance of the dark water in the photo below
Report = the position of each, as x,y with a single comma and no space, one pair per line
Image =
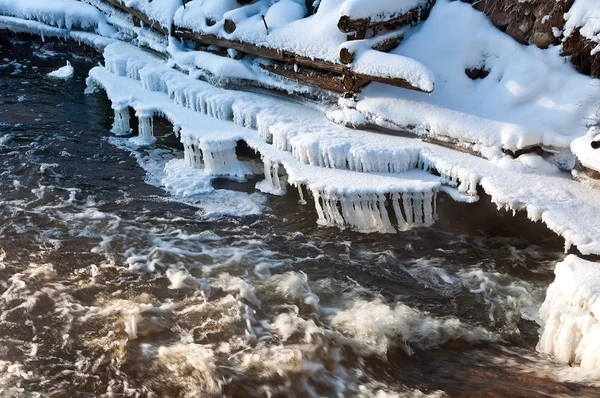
109,286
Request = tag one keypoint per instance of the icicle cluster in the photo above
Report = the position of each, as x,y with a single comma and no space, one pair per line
219,157
363,212
274,183
192,155
461,178
368,212
145,127
121,123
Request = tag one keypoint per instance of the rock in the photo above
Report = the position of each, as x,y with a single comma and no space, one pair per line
543,39
525,27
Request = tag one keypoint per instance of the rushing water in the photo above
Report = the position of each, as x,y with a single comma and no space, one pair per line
112,286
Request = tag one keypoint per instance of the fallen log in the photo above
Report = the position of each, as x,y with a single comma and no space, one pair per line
229,26
140,17
312,77
348,25
385,44
287,57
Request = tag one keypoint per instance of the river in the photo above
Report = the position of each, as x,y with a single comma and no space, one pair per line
110,286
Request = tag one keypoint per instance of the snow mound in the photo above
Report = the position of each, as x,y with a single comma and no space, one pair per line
586,154
66,72
571,312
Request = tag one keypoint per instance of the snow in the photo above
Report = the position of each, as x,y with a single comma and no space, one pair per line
571,312
582,148
68,14
530,97
379,10
585,16
161,11
320,38
66,72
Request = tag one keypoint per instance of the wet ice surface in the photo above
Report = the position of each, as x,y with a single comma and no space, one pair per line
111,285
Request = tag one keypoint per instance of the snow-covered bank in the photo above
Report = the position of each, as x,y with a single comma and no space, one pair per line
530,97
571,314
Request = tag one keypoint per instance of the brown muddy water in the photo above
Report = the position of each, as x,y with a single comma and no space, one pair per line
111,286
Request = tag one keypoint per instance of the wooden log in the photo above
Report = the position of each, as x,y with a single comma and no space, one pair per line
140,16
346,55
265,52
210,22
348,25
385,45
229,26
312,77
287,57
353,84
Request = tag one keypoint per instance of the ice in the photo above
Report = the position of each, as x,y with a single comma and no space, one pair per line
571,312
145,127
121,121
220,158
335,162
66,72
67,14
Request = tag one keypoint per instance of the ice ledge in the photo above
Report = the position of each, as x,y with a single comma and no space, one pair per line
571,312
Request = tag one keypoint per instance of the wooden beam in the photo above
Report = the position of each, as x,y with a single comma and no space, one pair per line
140,16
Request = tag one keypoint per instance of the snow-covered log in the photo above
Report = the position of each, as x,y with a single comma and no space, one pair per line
361,15
375,66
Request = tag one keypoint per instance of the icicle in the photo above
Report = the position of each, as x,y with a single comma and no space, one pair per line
387,225
197,158
301,193
322,220
408,208
337,217
121,122
146,126
187,157
347,211
428,208
418,208
268,167
220,158
402,224
275,179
